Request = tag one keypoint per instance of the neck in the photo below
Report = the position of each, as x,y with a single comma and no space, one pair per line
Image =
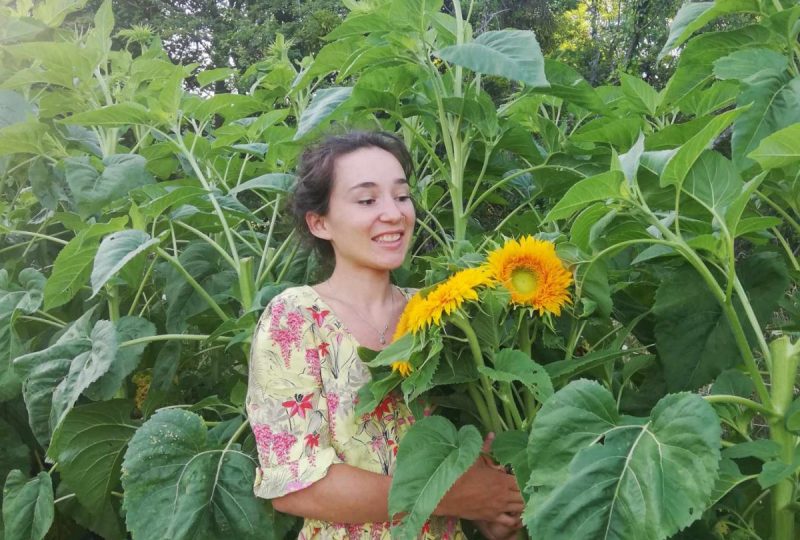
360,287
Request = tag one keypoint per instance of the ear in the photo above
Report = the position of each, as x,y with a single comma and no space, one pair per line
317,225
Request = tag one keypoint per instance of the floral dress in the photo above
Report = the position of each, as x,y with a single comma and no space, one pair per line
305,374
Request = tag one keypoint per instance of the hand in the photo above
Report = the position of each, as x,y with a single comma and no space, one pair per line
491,530
484,493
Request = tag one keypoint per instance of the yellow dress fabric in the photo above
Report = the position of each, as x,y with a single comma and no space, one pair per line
305,374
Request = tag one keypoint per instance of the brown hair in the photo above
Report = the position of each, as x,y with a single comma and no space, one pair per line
312,191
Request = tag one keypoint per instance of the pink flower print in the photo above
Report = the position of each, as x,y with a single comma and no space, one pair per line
318,315
296,485
281,444
323,349
312,440
263,436
299,405
312,359
333,406
376,443
392,445
276,312
295,321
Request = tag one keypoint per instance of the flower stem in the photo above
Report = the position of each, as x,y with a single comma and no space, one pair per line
494,415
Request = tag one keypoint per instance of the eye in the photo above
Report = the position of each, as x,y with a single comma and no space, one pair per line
404,198
366,202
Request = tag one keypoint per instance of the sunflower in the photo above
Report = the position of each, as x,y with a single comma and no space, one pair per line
532,272
450,295
403,367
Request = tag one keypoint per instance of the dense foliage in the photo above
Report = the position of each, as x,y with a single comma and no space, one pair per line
142,231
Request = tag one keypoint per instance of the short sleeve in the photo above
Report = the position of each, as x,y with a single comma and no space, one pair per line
286,404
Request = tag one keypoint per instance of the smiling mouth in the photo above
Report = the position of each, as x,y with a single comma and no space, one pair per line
388,238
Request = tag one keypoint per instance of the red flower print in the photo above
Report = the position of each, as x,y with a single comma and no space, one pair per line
323,349
382,408
312,440
319,315
299,405
426,529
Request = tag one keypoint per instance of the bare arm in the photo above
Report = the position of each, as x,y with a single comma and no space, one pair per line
346,494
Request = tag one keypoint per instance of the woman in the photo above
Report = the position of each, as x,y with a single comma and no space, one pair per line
318,460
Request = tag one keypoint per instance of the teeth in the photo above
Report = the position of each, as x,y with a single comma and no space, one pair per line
388,237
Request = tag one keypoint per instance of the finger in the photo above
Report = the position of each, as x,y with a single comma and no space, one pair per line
506,520
514,508
487,443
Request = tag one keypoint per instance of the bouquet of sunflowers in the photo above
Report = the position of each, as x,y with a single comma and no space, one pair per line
464,345
472,335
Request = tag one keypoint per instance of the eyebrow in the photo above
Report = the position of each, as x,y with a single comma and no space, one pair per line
371,184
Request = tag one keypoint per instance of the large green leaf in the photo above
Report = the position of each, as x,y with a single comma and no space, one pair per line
745,64
89,445
276,182
696,61
92,190
54,377
432,456
73,263
643,98
121,114
694,339
172,454
775,102
126,358
512,365
28,508
14,453
678,166
602,187
84,369
713,182
513,54
13,108
13,300
621,133
209,270
693,16
115,251
568,84
596,474
324,103
780,149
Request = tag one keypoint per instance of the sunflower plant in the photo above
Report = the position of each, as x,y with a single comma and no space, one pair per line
471,335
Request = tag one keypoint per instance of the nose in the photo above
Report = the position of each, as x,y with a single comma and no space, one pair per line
391,211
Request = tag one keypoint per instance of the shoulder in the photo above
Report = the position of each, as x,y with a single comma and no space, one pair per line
300,296
408,292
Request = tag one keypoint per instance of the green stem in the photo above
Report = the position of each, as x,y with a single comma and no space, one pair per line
751,317
196,286
510,406
64,498
781,211
41,320
140,290
37,235
480,404
477,355
787,248
738,400
210,241
786,358
170,337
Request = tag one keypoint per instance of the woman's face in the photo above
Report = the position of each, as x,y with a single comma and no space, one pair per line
370,216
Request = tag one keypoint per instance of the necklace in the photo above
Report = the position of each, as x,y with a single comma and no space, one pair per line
381,333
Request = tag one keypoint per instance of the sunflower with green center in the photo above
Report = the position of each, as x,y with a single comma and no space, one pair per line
532,272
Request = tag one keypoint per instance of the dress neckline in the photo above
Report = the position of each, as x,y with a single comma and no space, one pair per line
323,304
